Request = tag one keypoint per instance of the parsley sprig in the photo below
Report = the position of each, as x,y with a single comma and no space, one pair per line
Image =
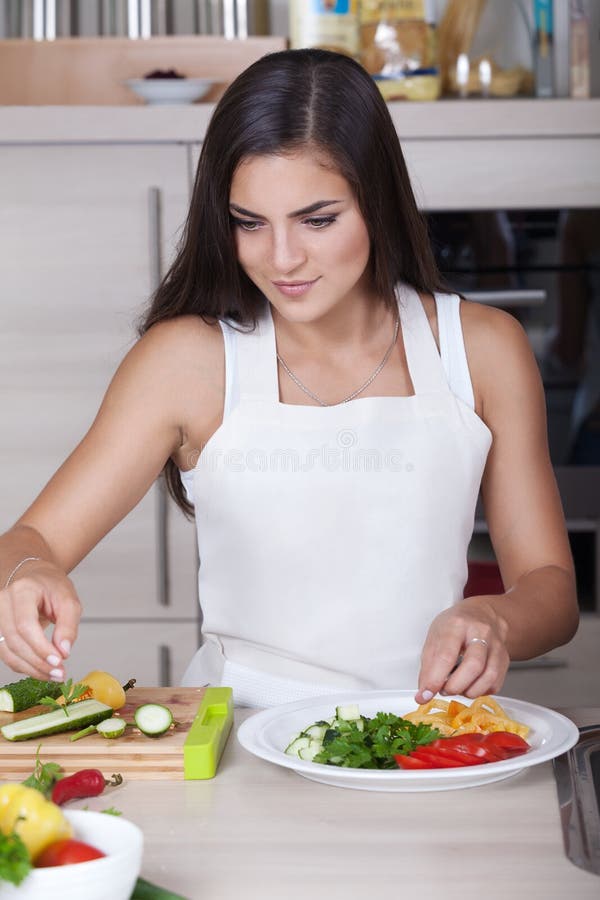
70,692
44,775
15,864
374,747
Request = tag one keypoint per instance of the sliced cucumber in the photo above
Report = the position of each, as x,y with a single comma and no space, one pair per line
299,743
347,713
153,719
316,731
27,692
71,718
311,751
111,728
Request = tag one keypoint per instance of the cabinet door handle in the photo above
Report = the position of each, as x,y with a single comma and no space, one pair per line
154,234
162,500
164,665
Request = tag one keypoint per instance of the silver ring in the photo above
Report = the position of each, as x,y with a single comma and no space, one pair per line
2,638
478,641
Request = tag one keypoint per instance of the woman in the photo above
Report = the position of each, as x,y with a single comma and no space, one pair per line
289,381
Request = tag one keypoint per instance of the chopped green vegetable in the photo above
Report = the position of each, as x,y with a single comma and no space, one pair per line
145,890
91,729
84,713
361,743
44,775
15,864
70,692
111,811
27,692
111,728
153,719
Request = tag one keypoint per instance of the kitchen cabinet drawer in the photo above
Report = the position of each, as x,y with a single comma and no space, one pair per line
155,653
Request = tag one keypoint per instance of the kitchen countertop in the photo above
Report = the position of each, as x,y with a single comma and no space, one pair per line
260,831
449,119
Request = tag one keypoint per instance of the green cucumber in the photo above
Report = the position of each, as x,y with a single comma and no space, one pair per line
145,890
70,718
348,713
111,728
27,692
153,719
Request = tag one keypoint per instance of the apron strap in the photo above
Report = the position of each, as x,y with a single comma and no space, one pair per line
424,362
257,362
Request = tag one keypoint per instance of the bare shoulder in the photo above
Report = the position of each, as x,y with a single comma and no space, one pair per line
178,368
501,361
173,350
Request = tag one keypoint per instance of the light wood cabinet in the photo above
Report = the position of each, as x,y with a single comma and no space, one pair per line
84,230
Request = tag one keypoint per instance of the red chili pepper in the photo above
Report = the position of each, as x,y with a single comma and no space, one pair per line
86,783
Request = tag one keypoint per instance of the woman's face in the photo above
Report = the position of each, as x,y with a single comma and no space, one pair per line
299,233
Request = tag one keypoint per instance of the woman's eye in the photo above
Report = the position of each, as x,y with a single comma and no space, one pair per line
320,221
246,225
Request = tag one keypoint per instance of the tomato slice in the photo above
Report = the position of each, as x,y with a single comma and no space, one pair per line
434,759
471,745
459,754
409,762
507,743
66,852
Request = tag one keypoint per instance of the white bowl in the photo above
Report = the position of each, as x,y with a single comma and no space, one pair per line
112,876
170,90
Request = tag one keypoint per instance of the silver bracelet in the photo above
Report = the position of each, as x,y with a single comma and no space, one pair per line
18,566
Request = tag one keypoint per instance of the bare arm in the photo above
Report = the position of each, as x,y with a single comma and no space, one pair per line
538,610
139,425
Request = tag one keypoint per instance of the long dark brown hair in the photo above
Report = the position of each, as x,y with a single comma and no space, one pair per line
281,103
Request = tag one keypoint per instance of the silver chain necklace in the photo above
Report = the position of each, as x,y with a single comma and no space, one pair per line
359,390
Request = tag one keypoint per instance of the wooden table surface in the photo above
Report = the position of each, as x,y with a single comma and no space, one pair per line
260,831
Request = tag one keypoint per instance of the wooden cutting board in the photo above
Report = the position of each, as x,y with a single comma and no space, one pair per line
134,755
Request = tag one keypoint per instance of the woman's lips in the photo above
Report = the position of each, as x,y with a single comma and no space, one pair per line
294,288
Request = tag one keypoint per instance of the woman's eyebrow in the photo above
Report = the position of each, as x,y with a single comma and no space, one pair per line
305,211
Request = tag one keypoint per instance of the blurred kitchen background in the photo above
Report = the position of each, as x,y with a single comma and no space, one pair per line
496,104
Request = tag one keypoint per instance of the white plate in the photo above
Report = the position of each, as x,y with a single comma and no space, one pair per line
170,91
269,732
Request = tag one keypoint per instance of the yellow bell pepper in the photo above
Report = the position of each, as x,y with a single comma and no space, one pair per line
105,688
37,821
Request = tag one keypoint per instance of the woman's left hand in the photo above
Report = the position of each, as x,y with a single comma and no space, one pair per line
471,629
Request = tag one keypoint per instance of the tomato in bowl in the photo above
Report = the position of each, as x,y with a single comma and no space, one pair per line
70,877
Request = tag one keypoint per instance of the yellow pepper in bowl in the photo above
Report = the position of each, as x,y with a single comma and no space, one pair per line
37,821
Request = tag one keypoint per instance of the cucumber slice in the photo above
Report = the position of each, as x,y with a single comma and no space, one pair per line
111,728
27,692
316,731
299,743
71,718
348,713
309,753
153,719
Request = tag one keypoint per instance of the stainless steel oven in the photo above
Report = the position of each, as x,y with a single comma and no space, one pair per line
543,266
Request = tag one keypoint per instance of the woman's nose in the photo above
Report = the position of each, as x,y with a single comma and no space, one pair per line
287,253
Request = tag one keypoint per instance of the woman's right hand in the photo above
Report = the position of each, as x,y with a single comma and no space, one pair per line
42,595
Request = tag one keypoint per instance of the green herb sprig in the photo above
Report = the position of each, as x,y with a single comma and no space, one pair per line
70,692
15,864
375,746
44,775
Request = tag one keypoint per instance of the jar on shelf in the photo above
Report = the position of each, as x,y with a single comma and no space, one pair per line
485,49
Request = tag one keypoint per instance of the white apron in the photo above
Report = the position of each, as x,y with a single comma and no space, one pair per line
330,537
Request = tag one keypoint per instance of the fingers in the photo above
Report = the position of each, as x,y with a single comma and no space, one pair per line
66,628
25,608
461,655
481,670
439,657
